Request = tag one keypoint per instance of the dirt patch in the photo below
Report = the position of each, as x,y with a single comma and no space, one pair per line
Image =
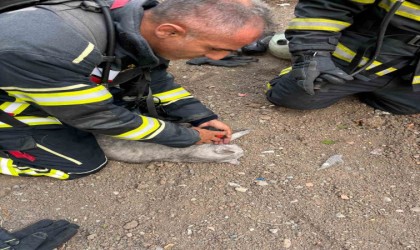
369,201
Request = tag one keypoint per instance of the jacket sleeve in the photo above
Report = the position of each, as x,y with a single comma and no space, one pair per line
60,86
318,23
175,100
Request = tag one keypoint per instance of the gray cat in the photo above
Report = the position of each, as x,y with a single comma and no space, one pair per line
140,152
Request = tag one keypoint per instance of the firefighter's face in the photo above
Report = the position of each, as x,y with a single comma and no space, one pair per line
178,44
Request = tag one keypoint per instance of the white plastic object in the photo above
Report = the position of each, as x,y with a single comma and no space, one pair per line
279,46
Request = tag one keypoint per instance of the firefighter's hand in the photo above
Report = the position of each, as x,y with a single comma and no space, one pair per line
312,67
214,131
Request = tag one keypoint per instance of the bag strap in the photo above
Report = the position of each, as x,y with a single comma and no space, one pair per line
8,119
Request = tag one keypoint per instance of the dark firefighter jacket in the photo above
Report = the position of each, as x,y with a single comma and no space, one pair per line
350,27
47,56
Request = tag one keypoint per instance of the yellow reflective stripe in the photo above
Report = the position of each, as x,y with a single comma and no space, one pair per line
92,95
77,86
6,167
268,86
160,129
346,54
407,9
416,80
285,71
317,24
148,126
34,120
14,107
57,174
363,1
58,154
84,54
171,95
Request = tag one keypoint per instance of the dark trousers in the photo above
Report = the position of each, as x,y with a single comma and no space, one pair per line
387,93
63,153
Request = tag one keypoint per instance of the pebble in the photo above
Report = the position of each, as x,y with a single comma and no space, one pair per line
340,215
233,184
377,151
131,225
415,209
273,230
287,243
91,237
333,160
268,152
309,184
261,183
211,228
399,211
344,197
387,199
241,189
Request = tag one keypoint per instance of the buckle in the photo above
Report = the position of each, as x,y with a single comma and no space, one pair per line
415,41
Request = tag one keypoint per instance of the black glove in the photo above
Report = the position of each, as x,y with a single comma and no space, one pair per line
228,61
308,68
258,47
42,235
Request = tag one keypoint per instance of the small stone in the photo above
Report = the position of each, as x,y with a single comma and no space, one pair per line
273,230
309,184
189,231
169,246
344,197
233,184
241,189
399,211
129,235
415,209
251,229
91,237
268,152
340,215
211,228
287,243
377,151
131,225
261,183
387,199
116,192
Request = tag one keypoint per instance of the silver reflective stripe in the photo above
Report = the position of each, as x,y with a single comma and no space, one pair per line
407,9
317,24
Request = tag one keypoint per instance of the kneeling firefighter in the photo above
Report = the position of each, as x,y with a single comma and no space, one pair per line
340,48
54,96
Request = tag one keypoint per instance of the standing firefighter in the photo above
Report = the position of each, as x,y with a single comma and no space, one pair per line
346,47
52,57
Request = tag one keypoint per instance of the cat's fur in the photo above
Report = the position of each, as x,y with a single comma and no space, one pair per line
140,152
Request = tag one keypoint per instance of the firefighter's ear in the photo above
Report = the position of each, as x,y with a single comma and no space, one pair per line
169,30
